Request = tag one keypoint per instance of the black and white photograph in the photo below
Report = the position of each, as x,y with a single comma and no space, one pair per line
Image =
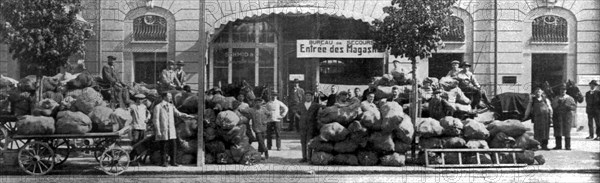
441,91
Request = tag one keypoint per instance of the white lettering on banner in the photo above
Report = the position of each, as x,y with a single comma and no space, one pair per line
319,48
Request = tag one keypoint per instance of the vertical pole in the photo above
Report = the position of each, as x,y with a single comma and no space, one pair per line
413,102
495,47
202,62
99,69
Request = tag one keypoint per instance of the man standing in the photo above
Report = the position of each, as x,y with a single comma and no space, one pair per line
179,75
297,96
306,112
259,116
592,108
141,116
168,77
164,125
110,77
278,110
563,107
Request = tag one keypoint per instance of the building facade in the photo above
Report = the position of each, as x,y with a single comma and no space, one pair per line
258,41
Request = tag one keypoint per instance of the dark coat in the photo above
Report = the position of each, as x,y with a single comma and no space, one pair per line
109,75
308,118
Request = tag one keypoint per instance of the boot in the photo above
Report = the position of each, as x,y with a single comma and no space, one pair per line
558,143
544,145
568,143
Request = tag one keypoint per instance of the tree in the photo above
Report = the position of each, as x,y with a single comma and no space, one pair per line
43,33
411,29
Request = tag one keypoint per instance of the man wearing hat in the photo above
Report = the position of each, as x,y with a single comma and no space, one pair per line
141,115
164,114
455,69
297,96
592,108
278,111
168,77
110,78
563,107
468,83
179,75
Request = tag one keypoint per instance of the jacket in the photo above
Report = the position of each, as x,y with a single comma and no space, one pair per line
592,100
564,104
278,110
308,118
164,120
259,118
167,79
109,75
140,115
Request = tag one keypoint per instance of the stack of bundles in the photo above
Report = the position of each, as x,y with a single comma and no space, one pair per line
56,96
7,82
88,100
69,122
220,102
445,133
226,139
448,83
81,81
142,88
103,119
378,138
45,107
35,125
28,83
343,113
21,102
512,134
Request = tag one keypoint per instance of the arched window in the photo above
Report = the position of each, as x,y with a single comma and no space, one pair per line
549,28
150,28
454,30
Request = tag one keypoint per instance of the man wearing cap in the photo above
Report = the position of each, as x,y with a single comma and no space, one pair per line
179,75
110,77
455,69
563,107
468,83
297,96
141,115
168,77
278,110
592,108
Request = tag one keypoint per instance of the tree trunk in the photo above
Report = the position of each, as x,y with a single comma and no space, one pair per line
414,101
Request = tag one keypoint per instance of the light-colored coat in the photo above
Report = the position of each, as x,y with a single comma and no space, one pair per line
140,115
164,120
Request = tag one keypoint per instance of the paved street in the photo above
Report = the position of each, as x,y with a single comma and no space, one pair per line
498,178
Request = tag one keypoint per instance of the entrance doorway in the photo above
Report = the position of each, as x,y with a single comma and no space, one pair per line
548,67
440,63
148,66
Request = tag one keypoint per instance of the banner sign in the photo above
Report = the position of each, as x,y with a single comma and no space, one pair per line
321,48
586,79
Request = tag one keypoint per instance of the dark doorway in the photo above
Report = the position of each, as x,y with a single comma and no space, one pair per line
439,63
547,67
148,66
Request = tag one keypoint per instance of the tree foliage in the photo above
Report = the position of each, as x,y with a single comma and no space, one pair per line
412,28
43,32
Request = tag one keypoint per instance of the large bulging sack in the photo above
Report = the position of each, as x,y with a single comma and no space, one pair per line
227,119
210,133
452,126
222,103
321,158
477,144
235,135
475,130
7,82
333,132
526,142
404,131
341,114
88,99
358,134
215,147
188,128
345,159
21,103
390,109
188,146
46,107
317,145
69,122
431,143
82,80
35,125
501,140
381,142
121,116
401,147
101,120
345,146
448,82
369,119
367,158
55,96
209,158
512,128
429,127
393,160
28,83
454,142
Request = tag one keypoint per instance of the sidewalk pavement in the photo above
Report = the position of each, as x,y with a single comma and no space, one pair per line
584,158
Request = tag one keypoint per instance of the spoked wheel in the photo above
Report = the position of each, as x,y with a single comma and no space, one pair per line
36,158
99,148
4,140
62,149
114,161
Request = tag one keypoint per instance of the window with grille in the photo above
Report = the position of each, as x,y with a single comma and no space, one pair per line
454,31
549,28
150,28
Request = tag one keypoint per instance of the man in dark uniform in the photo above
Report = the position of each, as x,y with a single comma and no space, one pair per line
306,112
563,107
296,97
110,78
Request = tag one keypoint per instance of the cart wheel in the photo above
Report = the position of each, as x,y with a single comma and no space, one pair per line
62,149
36,158
102,145
114,161
4,140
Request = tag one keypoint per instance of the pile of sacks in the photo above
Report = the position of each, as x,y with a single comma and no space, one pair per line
453,133
349,136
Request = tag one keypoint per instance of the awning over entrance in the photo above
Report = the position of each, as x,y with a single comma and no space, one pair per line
220,12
